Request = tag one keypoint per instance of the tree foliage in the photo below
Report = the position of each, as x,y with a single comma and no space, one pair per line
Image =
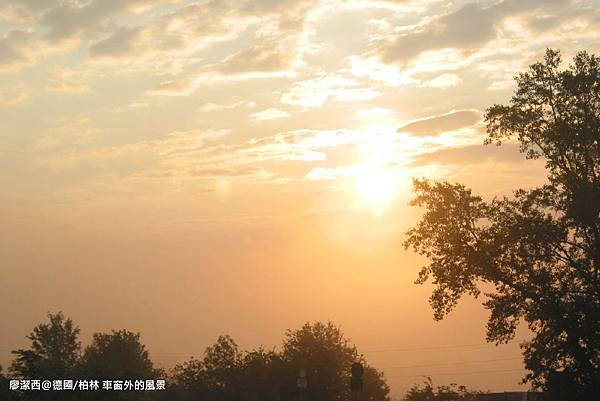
540,248
5,393
426,392
117,355
223,373
320,349
53,354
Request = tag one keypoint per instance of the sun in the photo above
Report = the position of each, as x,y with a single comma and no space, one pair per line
376,185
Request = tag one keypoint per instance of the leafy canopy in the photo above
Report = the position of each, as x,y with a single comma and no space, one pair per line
540,248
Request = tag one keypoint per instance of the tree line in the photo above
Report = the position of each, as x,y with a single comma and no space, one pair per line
223,372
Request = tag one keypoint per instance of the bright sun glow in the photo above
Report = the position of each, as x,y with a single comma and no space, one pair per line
377,180
376,185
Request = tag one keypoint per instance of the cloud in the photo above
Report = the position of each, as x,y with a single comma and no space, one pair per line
443,81
17,49
374,113
24,10
300,145
261,7
170,42
118,44
467,28
231,171
14,94
328,174
378,71
270,114
194,154
315,92
71,19
174,88
435,125
209,107
68,81
167,150
472,154
261,57
278,26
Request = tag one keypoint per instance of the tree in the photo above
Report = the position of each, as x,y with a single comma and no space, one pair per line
221,363
427,392
118,355
226,373
262,373
540,248
215,377
188,381
326,355
375,388
5,392
53,354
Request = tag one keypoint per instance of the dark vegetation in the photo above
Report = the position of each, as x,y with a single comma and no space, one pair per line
223,372
427,392
539,248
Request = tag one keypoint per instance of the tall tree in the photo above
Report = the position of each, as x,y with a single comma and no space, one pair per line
262,373
215,377
540,248
375,387
118,355
53,354
222,363
187,382
322,351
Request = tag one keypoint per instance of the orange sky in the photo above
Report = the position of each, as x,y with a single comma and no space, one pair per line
194,168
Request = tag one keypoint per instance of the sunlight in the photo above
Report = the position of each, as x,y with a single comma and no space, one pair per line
378,178
376,185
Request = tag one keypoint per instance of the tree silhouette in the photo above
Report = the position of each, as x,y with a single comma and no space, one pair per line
262,373
375,387
187,381
53,354
225,373
322,351
540,248
427,392
118,355
5,392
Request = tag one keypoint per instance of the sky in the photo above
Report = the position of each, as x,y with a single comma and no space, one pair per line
194,168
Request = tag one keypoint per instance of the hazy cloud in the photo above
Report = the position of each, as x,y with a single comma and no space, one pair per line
435,125
14,94
315,92
270,114
120,43
68,81
70,19
17,49
262,57
467,28
472,154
